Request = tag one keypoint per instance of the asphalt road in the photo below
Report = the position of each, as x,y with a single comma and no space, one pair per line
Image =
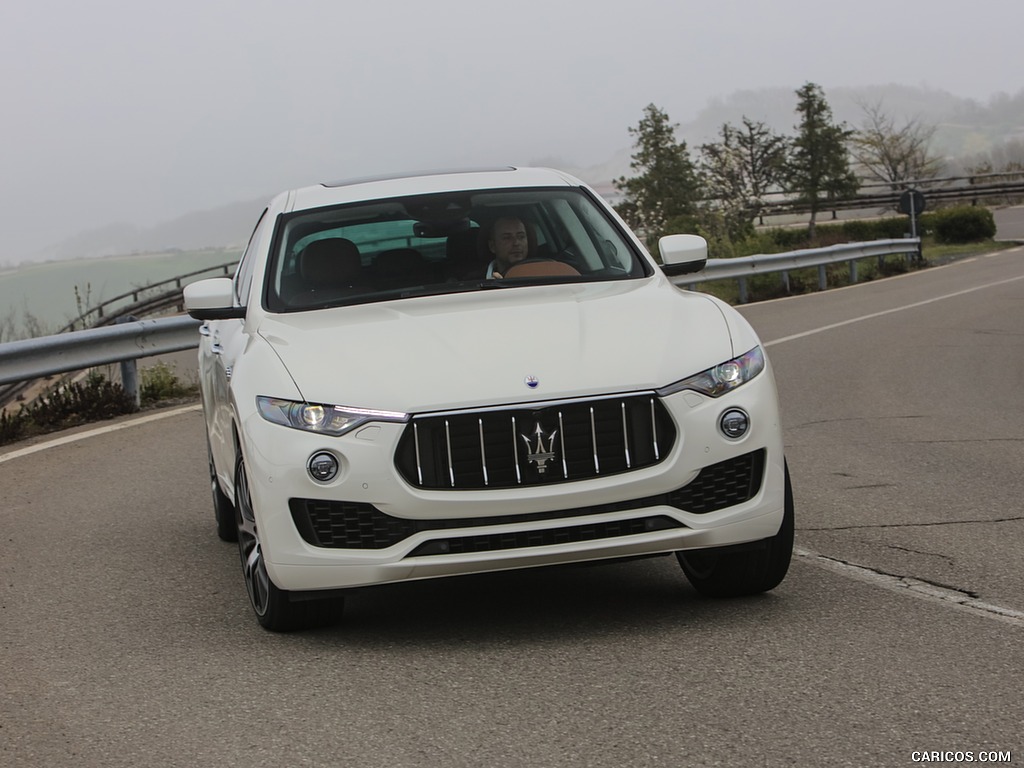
1009,223
126,639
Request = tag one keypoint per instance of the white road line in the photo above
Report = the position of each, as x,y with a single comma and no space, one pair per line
884,312
98,431
911,587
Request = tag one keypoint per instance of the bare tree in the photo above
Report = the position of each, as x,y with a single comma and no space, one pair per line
892,154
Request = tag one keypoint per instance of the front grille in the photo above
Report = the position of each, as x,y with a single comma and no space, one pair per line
356,525
534,446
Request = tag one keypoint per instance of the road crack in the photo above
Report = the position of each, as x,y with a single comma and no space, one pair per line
948,558
952,597
882,526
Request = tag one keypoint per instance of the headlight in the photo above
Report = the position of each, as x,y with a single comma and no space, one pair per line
322,419
722,378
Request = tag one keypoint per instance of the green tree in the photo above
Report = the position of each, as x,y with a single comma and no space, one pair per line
666,186
740,169
819,163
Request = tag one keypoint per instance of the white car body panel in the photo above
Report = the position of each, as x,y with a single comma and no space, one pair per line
475,349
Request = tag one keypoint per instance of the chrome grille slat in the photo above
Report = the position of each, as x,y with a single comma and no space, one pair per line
448,441
625,437
419,460
561,432
654,432
515,452
533,445
483,450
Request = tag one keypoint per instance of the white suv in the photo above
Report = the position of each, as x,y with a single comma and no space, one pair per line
452,373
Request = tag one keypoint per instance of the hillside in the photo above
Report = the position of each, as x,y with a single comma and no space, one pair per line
226,226
963,126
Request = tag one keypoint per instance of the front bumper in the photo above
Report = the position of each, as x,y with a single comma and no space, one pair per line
453,532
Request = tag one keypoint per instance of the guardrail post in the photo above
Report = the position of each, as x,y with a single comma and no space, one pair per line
822,278
853,271
743,290
130,369
785,279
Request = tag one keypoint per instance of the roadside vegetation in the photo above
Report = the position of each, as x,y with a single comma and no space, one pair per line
95,397
946,235
719,192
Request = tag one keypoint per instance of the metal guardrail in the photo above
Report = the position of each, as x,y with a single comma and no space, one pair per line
147,300
1008,185
744,267
143,299
44,356
76,350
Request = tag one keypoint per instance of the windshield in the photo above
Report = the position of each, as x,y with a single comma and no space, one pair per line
445,243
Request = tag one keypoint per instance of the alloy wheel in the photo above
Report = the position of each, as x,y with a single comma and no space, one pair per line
257,582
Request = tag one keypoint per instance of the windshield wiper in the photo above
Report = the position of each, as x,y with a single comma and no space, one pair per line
486,284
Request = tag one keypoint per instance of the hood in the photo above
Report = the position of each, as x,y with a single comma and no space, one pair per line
478,349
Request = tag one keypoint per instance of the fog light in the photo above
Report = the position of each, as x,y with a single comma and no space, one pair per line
323,467
734,423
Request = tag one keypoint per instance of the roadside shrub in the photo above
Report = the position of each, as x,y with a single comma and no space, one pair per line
854,230
889,228
962,224
760,242
12,426
93,399
788,239
159,382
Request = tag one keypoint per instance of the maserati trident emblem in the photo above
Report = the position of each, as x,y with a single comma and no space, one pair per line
539,453
531,382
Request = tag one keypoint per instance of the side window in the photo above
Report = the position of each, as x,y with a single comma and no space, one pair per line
243,277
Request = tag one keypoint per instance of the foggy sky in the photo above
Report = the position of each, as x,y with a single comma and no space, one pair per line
135,111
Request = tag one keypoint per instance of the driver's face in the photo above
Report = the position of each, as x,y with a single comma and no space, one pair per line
508,243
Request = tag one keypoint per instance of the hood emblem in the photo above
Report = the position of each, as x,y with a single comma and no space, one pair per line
539,453
532,382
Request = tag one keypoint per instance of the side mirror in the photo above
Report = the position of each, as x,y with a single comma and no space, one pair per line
212,299
683,254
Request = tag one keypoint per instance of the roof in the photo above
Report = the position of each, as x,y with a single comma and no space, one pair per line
426,182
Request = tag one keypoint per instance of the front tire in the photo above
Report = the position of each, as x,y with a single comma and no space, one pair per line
747,569
275,609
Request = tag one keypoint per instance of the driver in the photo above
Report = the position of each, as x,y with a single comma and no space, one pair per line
509,243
